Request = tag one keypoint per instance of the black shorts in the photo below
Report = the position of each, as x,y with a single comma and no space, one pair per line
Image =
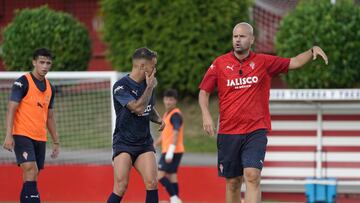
133,151
236,152
171,167
28,150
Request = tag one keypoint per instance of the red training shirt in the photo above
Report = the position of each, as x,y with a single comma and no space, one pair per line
243,90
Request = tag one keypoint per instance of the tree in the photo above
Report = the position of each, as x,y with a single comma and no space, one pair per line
187,35
336,29
67,38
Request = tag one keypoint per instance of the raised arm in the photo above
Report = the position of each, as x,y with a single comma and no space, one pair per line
208,124
138,106
303,58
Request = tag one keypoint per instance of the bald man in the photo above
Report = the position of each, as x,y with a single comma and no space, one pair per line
243,79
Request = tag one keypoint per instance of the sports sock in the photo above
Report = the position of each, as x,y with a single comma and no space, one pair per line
175,186
152,196
166,183
114,198
31,193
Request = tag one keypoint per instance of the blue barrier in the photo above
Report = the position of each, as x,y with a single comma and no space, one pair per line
321,190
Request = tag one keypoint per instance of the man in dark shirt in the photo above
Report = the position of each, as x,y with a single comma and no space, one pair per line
134,103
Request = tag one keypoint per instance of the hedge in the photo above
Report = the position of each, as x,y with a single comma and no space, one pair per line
30,29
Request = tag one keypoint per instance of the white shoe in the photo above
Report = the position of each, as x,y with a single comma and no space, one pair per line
175,199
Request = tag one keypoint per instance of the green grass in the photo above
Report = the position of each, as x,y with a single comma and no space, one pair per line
83,119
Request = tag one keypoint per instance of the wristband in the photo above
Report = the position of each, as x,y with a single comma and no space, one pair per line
170,152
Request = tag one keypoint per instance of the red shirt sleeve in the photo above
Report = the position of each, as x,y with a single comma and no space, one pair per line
277,65
209,81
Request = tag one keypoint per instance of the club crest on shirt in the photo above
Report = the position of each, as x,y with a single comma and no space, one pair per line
252,65
25,155
212,66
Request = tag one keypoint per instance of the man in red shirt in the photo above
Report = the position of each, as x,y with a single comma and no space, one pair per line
243,80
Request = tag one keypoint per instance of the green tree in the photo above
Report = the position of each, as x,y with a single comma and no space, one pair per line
67,38
336,29
187,34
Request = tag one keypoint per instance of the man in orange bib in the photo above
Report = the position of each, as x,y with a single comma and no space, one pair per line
171,140
30,113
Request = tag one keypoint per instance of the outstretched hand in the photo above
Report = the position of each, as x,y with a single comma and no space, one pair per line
318,51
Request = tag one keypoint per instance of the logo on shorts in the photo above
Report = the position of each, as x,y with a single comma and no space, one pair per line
261,161
221,167
25,155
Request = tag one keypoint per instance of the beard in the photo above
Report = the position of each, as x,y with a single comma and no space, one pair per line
240,50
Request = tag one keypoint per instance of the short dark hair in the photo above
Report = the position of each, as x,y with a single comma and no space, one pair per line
43,52
171,93
144,53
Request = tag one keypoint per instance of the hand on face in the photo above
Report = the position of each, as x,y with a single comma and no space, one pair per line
151,80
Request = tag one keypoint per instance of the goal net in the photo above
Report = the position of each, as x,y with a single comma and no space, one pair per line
84,115
267,15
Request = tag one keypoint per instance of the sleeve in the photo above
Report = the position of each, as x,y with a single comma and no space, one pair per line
122,94
19,89
176,121
209,81
277,65
52,99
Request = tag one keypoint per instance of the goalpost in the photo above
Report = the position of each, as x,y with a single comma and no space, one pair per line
85,117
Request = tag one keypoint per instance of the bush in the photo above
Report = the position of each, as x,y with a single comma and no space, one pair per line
336,29
187,35
41,27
